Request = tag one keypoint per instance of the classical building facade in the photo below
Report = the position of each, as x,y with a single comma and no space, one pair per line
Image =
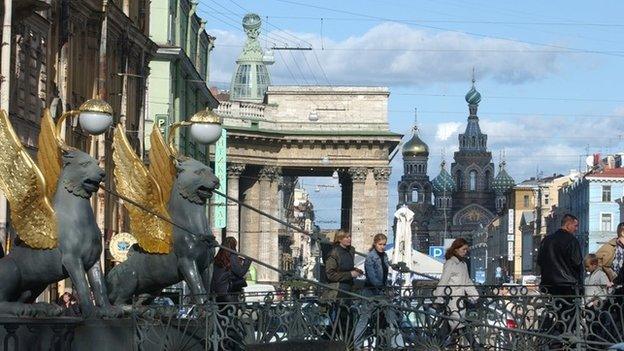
457,203
302,131
65,52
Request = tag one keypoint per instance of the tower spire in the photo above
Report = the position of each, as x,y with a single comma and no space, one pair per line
473,76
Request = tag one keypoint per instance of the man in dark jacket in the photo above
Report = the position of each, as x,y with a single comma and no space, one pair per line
560,259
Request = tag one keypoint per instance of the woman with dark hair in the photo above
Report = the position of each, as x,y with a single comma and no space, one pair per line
455,284
228,277
69,304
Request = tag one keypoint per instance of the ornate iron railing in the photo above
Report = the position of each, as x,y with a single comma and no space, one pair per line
501,318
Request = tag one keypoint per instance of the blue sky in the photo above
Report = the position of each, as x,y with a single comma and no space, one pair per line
550,72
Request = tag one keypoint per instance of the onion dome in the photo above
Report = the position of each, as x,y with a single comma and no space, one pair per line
473,97
415,146
503,181
443,183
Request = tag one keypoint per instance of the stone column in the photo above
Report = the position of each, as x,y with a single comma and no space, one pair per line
234,171
346,201
276,203
382,174
359,217
268,240
250,220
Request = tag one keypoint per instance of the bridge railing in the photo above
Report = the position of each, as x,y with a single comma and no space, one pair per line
498,319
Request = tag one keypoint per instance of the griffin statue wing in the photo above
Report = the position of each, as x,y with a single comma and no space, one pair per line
133,181
49,154
161,163
32,215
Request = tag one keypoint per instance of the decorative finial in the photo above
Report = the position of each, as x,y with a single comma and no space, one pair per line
415,129
443,164
473,76
415,116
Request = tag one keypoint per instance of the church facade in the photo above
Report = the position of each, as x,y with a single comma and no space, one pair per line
456,203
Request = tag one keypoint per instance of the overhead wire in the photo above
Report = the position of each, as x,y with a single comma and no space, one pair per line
532,23
452,30
235,23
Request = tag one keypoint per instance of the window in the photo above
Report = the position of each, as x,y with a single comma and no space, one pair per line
473,180
415,195
605,222
486,180
526,200
606,193
546,199
459,180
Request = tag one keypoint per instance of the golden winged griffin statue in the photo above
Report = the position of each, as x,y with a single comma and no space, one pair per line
50,212
174,189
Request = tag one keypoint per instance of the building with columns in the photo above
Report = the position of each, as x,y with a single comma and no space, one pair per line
453,204
295,131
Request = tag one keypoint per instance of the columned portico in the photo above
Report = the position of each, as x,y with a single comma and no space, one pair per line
282,138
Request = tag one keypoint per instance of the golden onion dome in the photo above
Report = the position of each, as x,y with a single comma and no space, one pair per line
415,146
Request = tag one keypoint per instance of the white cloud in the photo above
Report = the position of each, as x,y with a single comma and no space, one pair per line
446,130
395,54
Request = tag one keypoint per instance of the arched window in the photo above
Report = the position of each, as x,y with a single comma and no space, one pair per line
474,141
459,180
415,194
486,180
473,180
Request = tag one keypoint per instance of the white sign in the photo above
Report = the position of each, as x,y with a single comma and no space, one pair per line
510,221
510,250
448,243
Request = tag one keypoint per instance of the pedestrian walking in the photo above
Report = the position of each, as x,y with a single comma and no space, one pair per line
228,278
596,282
376,267
560,260
611,254
341,272
339,266
455,288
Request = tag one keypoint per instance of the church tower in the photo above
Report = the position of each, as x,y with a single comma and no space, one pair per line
502,185
473,169
415,188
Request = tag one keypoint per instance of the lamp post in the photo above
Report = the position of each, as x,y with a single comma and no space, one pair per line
205,128
95,117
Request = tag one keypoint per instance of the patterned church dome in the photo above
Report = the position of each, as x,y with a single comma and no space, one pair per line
503,181
473,97
443,183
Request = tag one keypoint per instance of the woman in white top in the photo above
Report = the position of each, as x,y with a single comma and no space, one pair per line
455,283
